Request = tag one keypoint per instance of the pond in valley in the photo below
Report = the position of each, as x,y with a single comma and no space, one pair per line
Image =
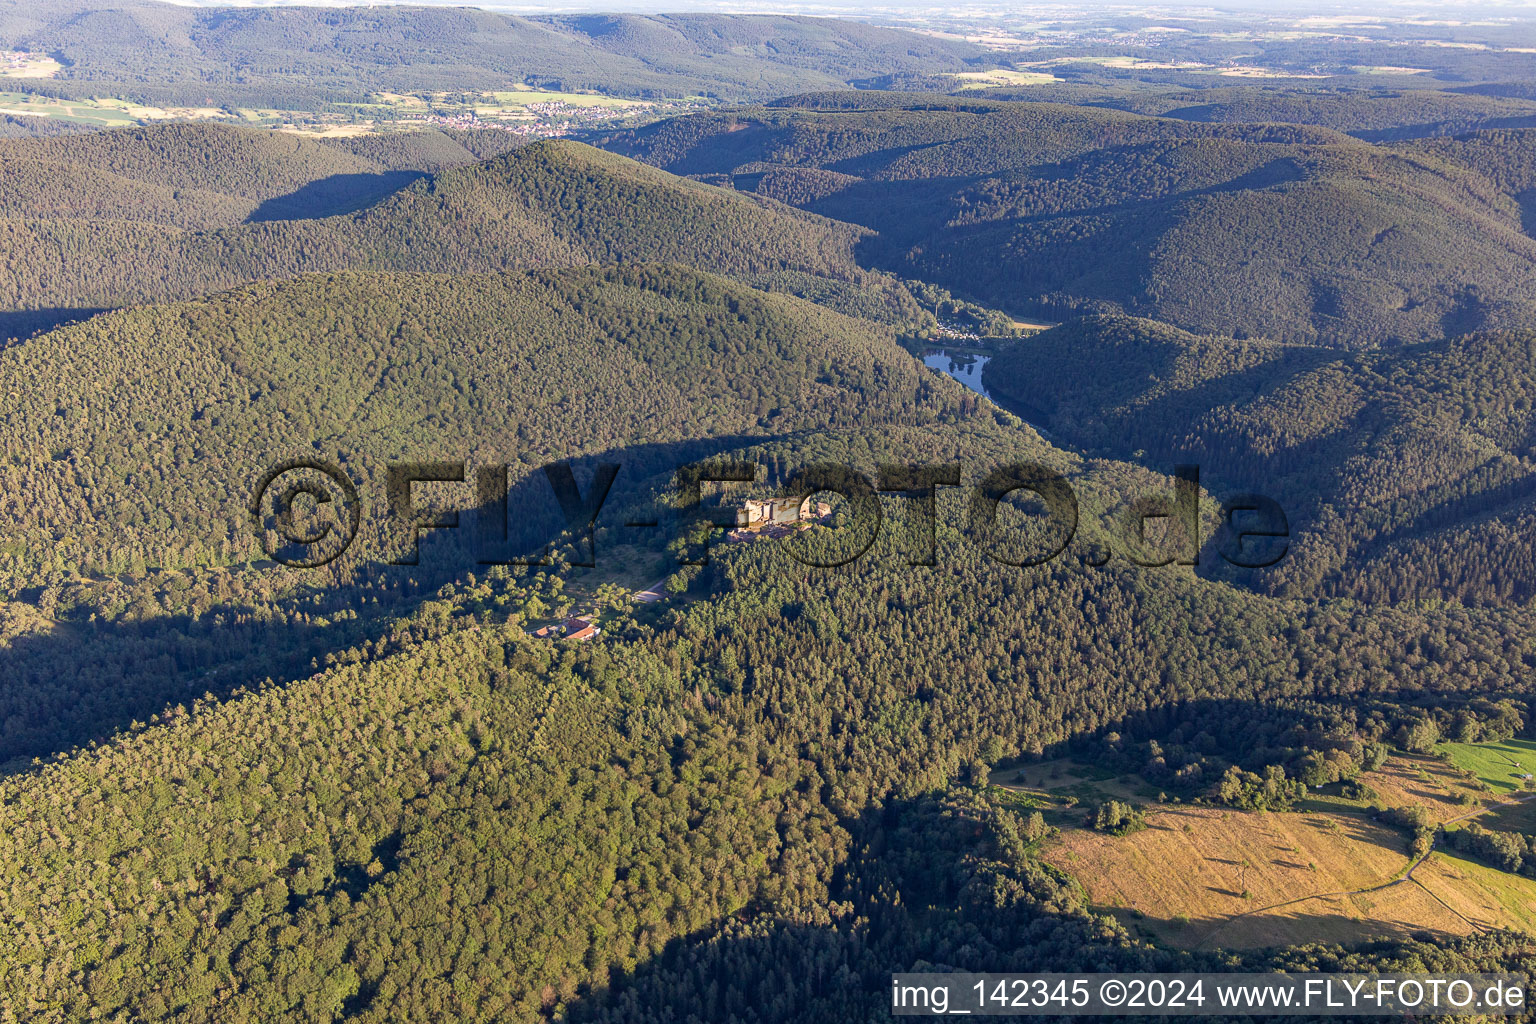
964,366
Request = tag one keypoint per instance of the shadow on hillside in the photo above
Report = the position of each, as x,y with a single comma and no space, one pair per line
21,324
1268,932
1203,425
1189,406
922,889
87,676
785,972
339,193
1428,129
927,889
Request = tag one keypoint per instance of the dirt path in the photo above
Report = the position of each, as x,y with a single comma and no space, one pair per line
1405,876
652,593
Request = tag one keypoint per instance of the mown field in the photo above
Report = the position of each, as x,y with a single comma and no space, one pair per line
1500,765
1205,876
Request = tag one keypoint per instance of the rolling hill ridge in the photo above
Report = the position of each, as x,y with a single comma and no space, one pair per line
1406,474
1294,232
550,204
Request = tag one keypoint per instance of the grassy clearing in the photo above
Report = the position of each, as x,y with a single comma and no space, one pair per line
1500,765
1405,779
629,566
1480,894
1001,77
330,131
97,112
1194,869
1512,817
1056,784
1208,876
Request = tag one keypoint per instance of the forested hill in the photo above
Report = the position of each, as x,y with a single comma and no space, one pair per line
195,175
200,175
135,437
1373,115
777,766
552,203
746,789
130,446
233,790
1506,157
1285,231
301,58
1406,474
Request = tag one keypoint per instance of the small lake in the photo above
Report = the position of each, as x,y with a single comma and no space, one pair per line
965,367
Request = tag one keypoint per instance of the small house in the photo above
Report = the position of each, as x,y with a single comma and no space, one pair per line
580,629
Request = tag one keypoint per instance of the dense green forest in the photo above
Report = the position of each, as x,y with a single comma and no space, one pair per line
549,204
238,790
302,58
483,825
186,175
153,423
437,815
1405,474
1371,114
1293,232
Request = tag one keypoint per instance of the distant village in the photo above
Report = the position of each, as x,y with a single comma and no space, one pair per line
951,331
552,120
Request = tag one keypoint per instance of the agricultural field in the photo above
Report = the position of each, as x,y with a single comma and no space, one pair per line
1001,77
1203,876
89,112
521,107
1407,779
1481,895
1500,765
100,113
1196,869
1512,817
